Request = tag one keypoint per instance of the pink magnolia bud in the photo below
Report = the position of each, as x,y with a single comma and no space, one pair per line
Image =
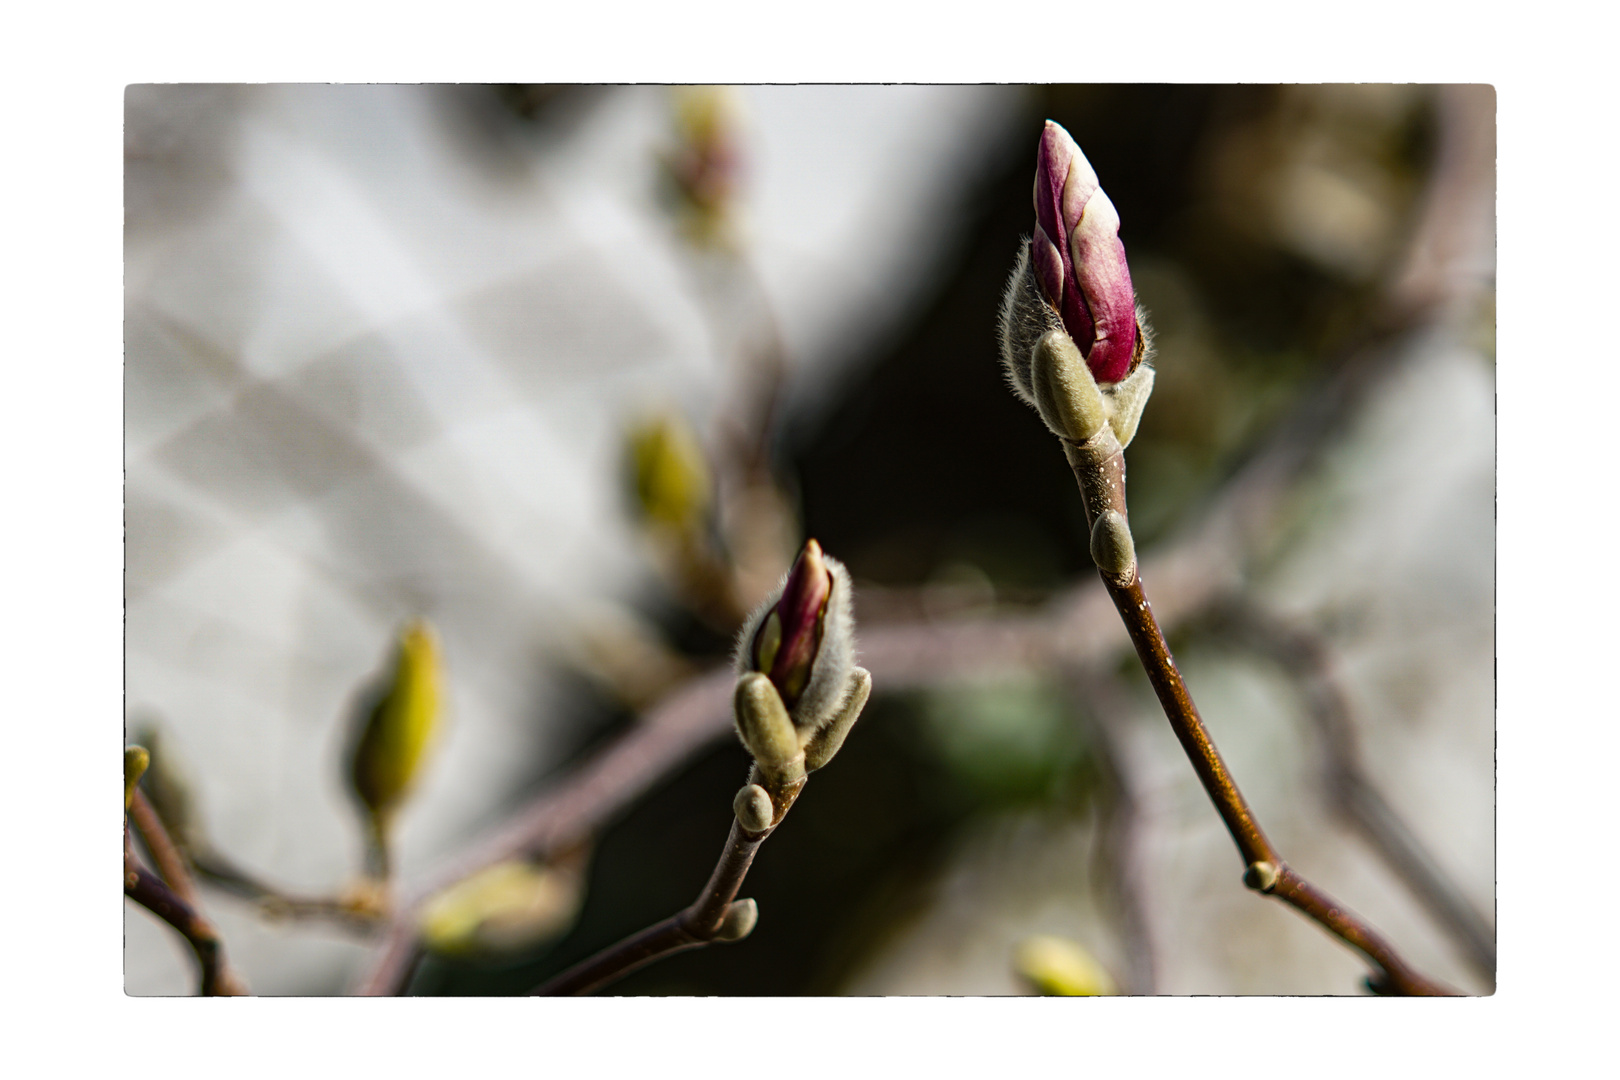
786,643
1078,260
802,638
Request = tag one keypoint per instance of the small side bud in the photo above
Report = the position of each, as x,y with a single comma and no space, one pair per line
824,744
1061,968
739,921
1260,876
763,724
1125,402
1112,548
1066,395
753,808
136,759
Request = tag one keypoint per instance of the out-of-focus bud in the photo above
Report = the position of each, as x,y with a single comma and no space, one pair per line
400,726
671,475
504,908
1078,258
803,638
136,760
702,171
1061,968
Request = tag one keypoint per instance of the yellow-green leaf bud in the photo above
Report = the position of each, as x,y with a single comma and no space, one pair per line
1059,967
671,475
400,725
504,908
136,760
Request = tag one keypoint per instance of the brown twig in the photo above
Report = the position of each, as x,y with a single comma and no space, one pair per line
166,856
1350,792
715,911
147,889
1266,871
277,904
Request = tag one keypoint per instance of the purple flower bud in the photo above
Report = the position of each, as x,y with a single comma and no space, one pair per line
803,639
786,643
1077,258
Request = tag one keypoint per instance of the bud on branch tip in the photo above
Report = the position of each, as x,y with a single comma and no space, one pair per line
1072,278
803,638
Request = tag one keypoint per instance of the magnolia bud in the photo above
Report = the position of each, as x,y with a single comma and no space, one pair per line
739,921
803,638
1112,547
671,475
1078,259
399,727
1060,967
1072,282
136,759
503,908
753,808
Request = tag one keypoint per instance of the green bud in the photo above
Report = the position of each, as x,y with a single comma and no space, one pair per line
1065,392
739,921
503,908
399,728
753,808
1112,548
672,484
1059,967
136,760
1125,402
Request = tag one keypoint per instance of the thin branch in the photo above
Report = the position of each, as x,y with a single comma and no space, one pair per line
1266,871
1350,793
166,856
702,923
147,889
276,904
572,810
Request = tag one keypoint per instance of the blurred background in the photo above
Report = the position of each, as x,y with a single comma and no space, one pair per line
570,372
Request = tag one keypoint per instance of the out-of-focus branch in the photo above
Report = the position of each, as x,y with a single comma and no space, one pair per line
170,863
277,904
1105,708
568,813
148,890
1350,793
